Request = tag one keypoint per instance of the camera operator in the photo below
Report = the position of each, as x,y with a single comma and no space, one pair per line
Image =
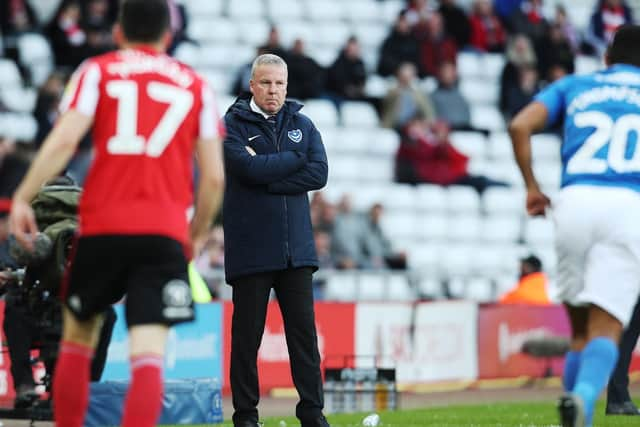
33,316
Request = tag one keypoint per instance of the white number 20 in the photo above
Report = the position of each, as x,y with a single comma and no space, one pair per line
126,140
616,134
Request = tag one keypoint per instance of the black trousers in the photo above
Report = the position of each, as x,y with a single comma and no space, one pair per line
250,297
618,389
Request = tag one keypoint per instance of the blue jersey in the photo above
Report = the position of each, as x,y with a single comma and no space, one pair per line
601,114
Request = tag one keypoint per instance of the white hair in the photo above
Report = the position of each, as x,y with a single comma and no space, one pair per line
267,59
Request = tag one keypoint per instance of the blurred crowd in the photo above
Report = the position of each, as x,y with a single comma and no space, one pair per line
423,43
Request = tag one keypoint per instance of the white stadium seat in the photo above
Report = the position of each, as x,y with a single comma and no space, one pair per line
500,147
398,288
431,198
479,289
371,287
456,259
341,286
479,91
290,30
539,231
587,64
503,201
21,127
253,32
376,86
188,53
363,10
285,9
383,142
487,117
469,65
325,10
546,147
462,199
358,114
492,66
202,8
212,29
218,80
34,48
464,228
399,197
430,287
354,141
246,9
434,227
472,144
370,35
9,74
501,229
425,258
332,35
18,99
400,224
321,111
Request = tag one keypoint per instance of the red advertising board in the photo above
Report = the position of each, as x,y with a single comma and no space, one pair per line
503,329
335,327
7,393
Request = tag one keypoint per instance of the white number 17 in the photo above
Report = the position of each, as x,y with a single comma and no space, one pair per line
126,140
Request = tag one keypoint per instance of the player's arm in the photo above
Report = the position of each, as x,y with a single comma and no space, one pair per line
56,151
210,185
529,120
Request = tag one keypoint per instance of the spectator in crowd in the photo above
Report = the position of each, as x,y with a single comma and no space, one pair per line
46,109
426,155
399,46
322,241
450,105
529,19
377,246
66,34
97,24
556,50
323,213
520,53
608,16
210,261
521,94
306,77
16,17
241,83
273,45
178,24
506,8
347,75
487,32
346,237
418,10
12,167
456,22
569,31
6,261
405,100
532,287
436,46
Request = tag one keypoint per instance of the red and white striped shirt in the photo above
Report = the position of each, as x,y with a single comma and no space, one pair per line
148,111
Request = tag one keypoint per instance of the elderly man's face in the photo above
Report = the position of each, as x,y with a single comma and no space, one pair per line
269,87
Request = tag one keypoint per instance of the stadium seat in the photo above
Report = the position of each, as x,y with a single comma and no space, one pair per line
428,84
492,260
539,231
455,286
472,144
501,229
326,10
291,30
321,111
342,169
548,174
224,56
479,91
546,147
203,29
487,117
244,9
503,201
370,57
365,197
431,198
462,199
34,48
363,11
399,288
18,99
370,35
358,114
469,65
372,287
479,289
376,86
323,56
353,141
21,127
430,288
188,53
587,64
285,9
332,35
464,228
383,142
456,260
400,224
341,286
425,258
399,197
224,102
492,66
500,147
203,8
9,74
391,9
432,227
253,32
218,80
506,171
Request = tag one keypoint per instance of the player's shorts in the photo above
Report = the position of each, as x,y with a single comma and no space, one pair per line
598,247
150,270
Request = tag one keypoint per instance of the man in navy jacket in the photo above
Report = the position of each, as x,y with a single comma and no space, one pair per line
273,156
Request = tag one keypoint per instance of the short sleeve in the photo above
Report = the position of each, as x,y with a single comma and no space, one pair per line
211,125
83,90
553,97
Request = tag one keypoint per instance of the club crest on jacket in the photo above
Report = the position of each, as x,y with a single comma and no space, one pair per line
295,135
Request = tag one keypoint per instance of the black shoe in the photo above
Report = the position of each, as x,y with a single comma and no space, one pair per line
624,408
571,410
247,423
321,421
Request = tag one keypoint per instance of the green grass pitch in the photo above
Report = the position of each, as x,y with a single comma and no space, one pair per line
495,415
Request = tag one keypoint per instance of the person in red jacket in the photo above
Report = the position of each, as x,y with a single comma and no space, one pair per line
487,33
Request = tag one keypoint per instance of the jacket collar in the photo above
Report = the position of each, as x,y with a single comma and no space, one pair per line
241,107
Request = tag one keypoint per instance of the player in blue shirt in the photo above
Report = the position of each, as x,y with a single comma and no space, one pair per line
595,213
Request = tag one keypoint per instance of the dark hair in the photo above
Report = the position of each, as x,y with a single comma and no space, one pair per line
144,21
624,48
533,262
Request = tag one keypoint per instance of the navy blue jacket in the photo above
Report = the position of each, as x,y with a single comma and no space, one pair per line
266,218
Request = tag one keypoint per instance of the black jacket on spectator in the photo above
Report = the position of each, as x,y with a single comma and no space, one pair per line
266,215
456,24
345,75
305,76
396,49
6,25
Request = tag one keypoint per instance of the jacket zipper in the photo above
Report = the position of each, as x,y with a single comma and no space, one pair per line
287,255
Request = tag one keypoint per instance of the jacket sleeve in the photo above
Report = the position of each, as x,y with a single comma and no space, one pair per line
313,176
260,169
